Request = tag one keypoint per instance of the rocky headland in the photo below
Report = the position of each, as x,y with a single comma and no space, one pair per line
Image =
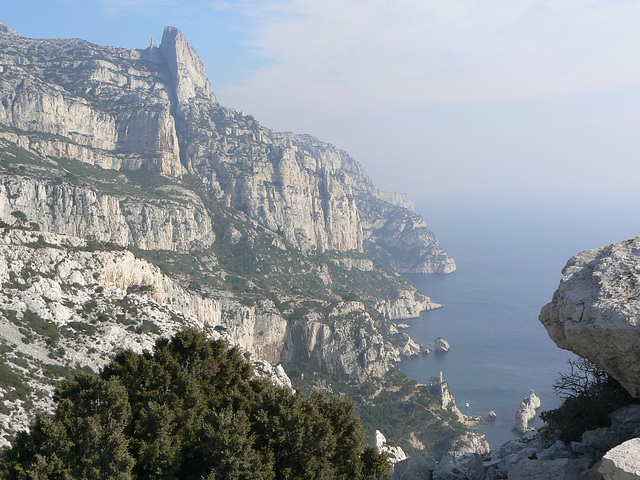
133,204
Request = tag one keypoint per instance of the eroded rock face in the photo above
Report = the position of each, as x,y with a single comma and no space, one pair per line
154,109
622,462
595,312
146,223
526,412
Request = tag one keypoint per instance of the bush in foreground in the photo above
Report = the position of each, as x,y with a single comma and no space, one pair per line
588,396
192,409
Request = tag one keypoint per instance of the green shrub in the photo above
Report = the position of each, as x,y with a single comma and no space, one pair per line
147,326
86,328
11,381
588,396
41,326
190,409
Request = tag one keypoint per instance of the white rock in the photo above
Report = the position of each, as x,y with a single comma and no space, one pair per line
595,312
622,462
441,345
396,454
526,412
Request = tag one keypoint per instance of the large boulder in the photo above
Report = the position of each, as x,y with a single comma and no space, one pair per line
595,311
560,469
626,422
466,467
414,468
622,462
526,412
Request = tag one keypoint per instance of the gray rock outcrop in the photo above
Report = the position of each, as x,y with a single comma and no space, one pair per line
560,469
595,311
417,467
441,345
465,467
622,462
526,412
7,29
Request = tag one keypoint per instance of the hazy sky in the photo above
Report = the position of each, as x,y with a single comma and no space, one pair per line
523,101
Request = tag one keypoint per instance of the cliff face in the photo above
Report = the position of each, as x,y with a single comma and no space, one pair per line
132,204
595,312
154,109
82,211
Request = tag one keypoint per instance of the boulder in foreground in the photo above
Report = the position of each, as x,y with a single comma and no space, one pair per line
595,311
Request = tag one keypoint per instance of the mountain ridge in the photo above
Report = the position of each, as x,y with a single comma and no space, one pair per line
156,111
278,242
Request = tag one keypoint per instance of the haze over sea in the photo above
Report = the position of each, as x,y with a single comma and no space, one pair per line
509,264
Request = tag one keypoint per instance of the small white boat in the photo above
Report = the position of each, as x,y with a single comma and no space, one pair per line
466,404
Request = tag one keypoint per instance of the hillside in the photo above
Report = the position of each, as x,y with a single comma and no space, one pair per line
133,204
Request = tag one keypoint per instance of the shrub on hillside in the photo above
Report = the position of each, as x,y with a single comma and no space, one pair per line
192,409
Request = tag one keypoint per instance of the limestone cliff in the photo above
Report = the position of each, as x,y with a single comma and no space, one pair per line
595,312
147,223
132,203
154,109
67,303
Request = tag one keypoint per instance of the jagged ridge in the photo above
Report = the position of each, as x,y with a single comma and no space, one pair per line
154,109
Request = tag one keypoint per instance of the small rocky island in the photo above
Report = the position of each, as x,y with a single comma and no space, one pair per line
441,345
526,412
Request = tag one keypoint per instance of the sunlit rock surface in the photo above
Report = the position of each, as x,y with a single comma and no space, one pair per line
595,312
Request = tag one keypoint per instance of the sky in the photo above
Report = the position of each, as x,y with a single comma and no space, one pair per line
528,103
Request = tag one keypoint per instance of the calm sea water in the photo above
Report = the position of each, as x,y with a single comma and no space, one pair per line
509,265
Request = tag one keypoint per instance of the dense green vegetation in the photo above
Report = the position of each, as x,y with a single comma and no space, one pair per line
191,409
588,395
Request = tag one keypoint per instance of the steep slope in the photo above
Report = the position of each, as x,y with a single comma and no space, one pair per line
68,303
132,203
154,109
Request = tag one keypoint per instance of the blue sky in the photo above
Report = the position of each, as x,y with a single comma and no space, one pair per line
530,102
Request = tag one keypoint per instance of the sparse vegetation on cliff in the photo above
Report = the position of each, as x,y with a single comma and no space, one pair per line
401,408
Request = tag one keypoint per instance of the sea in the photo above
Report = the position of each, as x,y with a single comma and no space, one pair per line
509,264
